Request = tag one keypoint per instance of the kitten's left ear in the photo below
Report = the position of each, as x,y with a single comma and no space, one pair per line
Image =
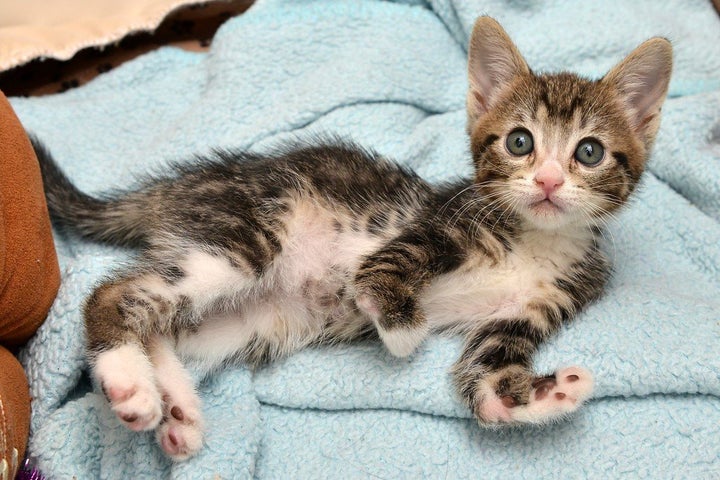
642,79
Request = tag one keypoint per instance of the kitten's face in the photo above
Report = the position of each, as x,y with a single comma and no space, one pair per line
563,154
559,149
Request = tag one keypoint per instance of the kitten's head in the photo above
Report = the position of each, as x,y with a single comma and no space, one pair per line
560,149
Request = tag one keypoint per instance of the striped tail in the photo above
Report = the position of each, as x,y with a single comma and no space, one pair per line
115,220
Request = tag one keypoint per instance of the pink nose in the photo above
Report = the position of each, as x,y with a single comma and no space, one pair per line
549,178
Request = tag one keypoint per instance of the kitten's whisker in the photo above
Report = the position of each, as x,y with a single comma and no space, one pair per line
442,209
452,222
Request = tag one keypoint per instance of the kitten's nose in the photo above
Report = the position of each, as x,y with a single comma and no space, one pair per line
549,177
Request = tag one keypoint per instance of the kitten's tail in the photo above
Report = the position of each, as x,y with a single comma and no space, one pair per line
118,221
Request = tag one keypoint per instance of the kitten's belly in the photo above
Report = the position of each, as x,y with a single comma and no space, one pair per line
307,291
321,252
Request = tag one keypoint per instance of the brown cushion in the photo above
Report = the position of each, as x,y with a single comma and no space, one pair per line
29,276
29,273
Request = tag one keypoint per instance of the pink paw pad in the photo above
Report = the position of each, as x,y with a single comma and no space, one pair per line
117,394
560,394
180,434
551,397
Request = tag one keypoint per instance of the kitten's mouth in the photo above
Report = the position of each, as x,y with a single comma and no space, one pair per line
546,206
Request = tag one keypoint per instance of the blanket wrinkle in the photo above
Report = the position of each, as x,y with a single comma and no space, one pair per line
392,76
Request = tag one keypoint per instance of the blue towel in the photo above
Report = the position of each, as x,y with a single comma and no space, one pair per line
392,76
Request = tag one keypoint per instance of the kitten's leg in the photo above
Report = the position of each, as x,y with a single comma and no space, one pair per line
180,433
495,378
123,314
116,324
389,281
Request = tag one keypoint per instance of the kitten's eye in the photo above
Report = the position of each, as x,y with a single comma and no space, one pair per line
589,152
519,142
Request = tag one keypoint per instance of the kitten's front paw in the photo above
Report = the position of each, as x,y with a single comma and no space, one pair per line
401,334
403,341
550,398
180,435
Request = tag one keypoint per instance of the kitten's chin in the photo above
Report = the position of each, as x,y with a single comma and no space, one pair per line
546,215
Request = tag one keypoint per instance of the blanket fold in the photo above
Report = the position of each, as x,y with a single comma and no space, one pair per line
392,76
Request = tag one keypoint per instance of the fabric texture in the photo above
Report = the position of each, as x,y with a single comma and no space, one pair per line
29,275
392,76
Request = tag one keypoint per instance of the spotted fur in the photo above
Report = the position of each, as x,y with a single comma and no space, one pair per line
247,257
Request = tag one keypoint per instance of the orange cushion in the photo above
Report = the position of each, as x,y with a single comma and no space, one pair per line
29,276
29,273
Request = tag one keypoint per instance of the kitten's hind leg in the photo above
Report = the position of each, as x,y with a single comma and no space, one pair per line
117,353
180,433
127,379
123,315
495,378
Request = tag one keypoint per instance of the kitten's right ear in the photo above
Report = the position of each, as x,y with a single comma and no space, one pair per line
493,62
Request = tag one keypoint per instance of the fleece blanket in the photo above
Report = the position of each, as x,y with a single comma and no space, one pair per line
392,76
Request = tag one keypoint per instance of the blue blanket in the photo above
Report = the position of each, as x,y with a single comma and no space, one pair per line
392,76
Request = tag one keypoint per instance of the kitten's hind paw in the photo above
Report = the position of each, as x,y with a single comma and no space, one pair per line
126,377
137,406
551,397
180,435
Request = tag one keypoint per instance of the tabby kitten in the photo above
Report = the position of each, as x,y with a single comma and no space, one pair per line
250,257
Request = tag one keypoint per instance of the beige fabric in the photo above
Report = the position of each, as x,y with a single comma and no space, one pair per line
40,28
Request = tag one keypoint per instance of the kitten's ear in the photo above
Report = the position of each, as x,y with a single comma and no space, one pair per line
642,80
493,62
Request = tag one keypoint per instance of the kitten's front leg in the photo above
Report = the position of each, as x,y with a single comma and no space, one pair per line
495,377
389,282
393,309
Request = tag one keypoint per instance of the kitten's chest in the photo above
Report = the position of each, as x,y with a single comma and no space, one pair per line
483,290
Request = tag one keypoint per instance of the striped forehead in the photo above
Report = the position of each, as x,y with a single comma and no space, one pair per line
564,98
560,111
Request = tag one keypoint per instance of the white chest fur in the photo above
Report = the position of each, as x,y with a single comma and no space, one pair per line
481,291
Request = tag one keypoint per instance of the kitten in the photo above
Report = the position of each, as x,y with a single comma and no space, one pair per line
249,257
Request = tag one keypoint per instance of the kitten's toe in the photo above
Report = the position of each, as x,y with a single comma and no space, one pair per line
179,441
403,341
180,435
127,380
